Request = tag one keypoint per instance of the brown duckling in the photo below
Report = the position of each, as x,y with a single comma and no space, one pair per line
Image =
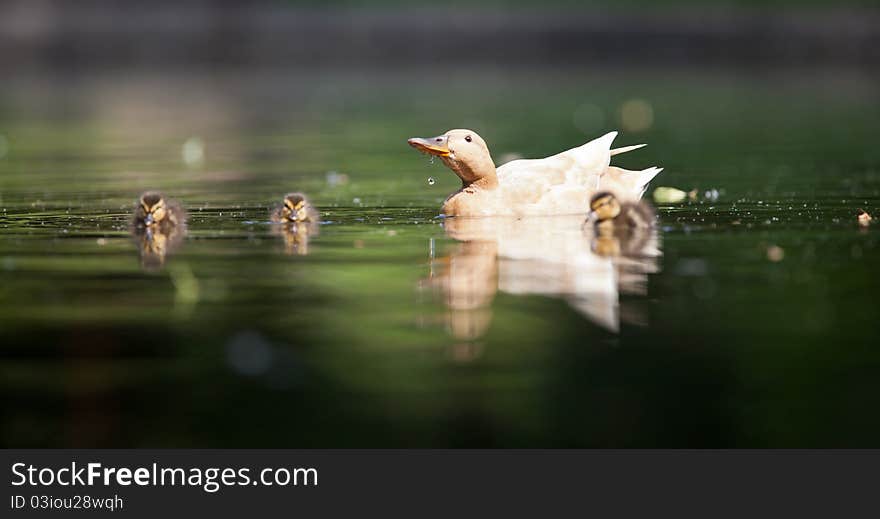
295,208
300,221
155,211
622,228
610,213
158,228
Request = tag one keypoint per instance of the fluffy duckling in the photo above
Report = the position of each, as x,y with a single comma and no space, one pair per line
153,210
622,228
158,228
609,212
300,221
561,184
295,208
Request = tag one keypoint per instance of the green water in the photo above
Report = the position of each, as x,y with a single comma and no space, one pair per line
756,327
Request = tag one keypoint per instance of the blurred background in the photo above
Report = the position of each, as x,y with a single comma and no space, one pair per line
755,328
66,37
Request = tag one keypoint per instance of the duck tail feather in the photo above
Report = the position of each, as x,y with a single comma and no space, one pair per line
618,151
645,177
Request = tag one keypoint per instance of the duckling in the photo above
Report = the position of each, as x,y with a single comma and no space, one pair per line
300,221
556,185
295,208
622,229
158,227
610,213
154,211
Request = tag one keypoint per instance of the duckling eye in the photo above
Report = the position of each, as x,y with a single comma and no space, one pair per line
468,138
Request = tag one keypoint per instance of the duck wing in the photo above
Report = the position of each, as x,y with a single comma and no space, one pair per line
558,184
578,166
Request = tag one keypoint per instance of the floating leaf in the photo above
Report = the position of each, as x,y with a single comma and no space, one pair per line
669,195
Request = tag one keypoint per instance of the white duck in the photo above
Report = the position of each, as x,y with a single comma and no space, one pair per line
561,184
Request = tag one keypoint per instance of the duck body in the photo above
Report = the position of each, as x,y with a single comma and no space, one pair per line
556,185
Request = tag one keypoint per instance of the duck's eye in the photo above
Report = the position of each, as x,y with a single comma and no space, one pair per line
439,139
468,138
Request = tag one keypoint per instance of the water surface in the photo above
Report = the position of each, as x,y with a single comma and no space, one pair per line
752,325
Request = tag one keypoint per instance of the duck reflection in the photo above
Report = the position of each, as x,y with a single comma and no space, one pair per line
155,244
467,280
296,236
558,256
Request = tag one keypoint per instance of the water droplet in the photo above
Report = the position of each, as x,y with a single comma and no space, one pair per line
431,181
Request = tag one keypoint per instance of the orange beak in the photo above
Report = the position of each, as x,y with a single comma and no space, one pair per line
433,146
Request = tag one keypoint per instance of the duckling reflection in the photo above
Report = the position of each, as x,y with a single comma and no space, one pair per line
299,221
156,244
550,256
158,228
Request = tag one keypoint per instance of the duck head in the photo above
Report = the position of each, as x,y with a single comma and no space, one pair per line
296,207
464,152
604,206
152,208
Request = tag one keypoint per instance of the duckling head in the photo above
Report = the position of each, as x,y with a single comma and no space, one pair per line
463,151
153,208
296,208
605,206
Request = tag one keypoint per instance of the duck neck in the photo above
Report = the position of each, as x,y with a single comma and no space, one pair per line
481,175
485,182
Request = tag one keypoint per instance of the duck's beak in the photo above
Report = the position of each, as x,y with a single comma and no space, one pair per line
148,220
434,145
